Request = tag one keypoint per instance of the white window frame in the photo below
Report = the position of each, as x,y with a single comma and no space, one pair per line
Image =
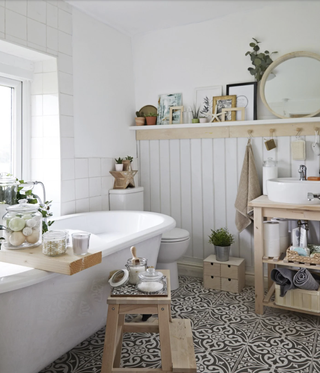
20,115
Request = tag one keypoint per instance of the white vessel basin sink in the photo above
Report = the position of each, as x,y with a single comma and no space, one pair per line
292,190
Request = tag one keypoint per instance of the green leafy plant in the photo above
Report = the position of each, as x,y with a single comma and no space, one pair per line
118,160
138,114
152,115
129,158
44,208
221,237
195,111
260,61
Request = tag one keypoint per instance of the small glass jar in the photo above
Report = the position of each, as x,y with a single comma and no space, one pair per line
150,281
135,268
23,224
54,243
8,189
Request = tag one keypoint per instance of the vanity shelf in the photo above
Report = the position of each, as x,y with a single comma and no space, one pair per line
258,128
263,208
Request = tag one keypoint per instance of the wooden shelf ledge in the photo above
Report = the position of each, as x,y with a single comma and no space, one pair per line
258,128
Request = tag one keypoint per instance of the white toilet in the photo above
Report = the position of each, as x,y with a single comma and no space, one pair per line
174,243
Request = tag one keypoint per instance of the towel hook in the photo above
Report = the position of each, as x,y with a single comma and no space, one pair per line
250,136
272,130
298,131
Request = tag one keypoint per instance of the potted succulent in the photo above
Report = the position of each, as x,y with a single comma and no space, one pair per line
140,119
195,114
222,240
127,163
119,165
151,118
203,119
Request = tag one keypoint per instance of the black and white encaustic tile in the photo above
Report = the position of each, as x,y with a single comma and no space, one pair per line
228,337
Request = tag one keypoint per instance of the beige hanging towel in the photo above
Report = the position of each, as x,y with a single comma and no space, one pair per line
249,189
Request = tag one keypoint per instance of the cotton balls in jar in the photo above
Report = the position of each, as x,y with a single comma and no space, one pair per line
16,238
34,236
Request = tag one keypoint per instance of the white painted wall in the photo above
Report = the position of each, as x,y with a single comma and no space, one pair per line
103,89
196,181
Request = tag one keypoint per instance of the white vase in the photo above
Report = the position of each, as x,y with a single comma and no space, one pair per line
119,167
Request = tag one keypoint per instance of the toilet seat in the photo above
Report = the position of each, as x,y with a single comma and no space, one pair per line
175,235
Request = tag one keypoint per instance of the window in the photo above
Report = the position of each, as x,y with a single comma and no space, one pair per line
11,126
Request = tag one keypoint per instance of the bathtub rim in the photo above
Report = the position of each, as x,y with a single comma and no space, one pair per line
34,276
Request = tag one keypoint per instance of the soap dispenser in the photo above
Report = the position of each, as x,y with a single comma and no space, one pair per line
270,171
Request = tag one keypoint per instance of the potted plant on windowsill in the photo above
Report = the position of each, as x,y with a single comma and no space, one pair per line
151,118
140,119
195,114
119,165
222,240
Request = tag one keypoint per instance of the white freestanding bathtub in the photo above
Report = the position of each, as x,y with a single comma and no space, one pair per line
44,314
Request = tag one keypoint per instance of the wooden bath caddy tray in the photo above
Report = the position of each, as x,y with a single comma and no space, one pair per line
130,290
66,264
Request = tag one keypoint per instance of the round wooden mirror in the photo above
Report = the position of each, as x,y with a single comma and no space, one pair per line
290,86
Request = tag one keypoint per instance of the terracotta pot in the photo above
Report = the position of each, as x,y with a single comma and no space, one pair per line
140,121
151,120
126,165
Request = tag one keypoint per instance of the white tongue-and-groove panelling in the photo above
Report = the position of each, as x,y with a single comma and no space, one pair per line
196,182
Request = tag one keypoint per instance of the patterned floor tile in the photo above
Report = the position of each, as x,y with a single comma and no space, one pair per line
228,337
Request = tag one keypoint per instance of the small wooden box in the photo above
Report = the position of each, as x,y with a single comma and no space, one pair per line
307,300
227,276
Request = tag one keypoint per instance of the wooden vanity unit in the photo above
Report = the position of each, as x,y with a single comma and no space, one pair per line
263,208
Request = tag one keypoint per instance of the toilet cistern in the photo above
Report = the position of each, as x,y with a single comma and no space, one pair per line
302,172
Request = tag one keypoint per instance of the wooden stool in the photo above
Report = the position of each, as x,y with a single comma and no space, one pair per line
176,344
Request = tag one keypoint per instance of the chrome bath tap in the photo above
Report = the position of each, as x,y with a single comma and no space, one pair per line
302,172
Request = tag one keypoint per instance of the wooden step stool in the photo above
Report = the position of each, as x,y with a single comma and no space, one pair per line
176,344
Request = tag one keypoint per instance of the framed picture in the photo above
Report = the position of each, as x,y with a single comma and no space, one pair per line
175,112
165,102
246,97
240,109
203,98
222,102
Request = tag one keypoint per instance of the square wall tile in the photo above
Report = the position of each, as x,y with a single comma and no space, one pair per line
36,147
37,167
37,84
65,6
65,63
95,203
81,168
65,21
82,188
105,203
17,6
94,167
94,186
65,43
51,126
50,66
65,83
67,190
53,190
66,126
107,164
13,39
52,169
66,104
37,10
52,38
52,15
50,83
82,205
55,208
2,29
37,33
37,126
50,104
51,146
106,184
16,25
38,67
67,147
68,208
36,105
67,169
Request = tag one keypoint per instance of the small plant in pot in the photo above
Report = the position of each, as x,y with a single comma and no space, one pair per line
119,165
151,118
222,240
195,114
140,119
127,163
203,119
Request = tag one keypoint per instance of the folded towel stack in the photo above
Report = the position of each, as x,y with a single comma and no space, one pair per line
290,279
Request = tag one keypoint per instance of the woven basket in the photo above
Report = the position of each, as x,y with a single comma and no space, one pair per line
293,256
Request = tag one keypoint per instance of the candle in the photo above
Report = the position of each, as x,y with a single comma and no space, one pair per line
80,243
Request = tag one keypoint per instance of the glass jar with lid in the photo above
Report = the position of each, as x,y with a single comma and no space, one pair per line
22,225
8,193
134,268
150,281
54,243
